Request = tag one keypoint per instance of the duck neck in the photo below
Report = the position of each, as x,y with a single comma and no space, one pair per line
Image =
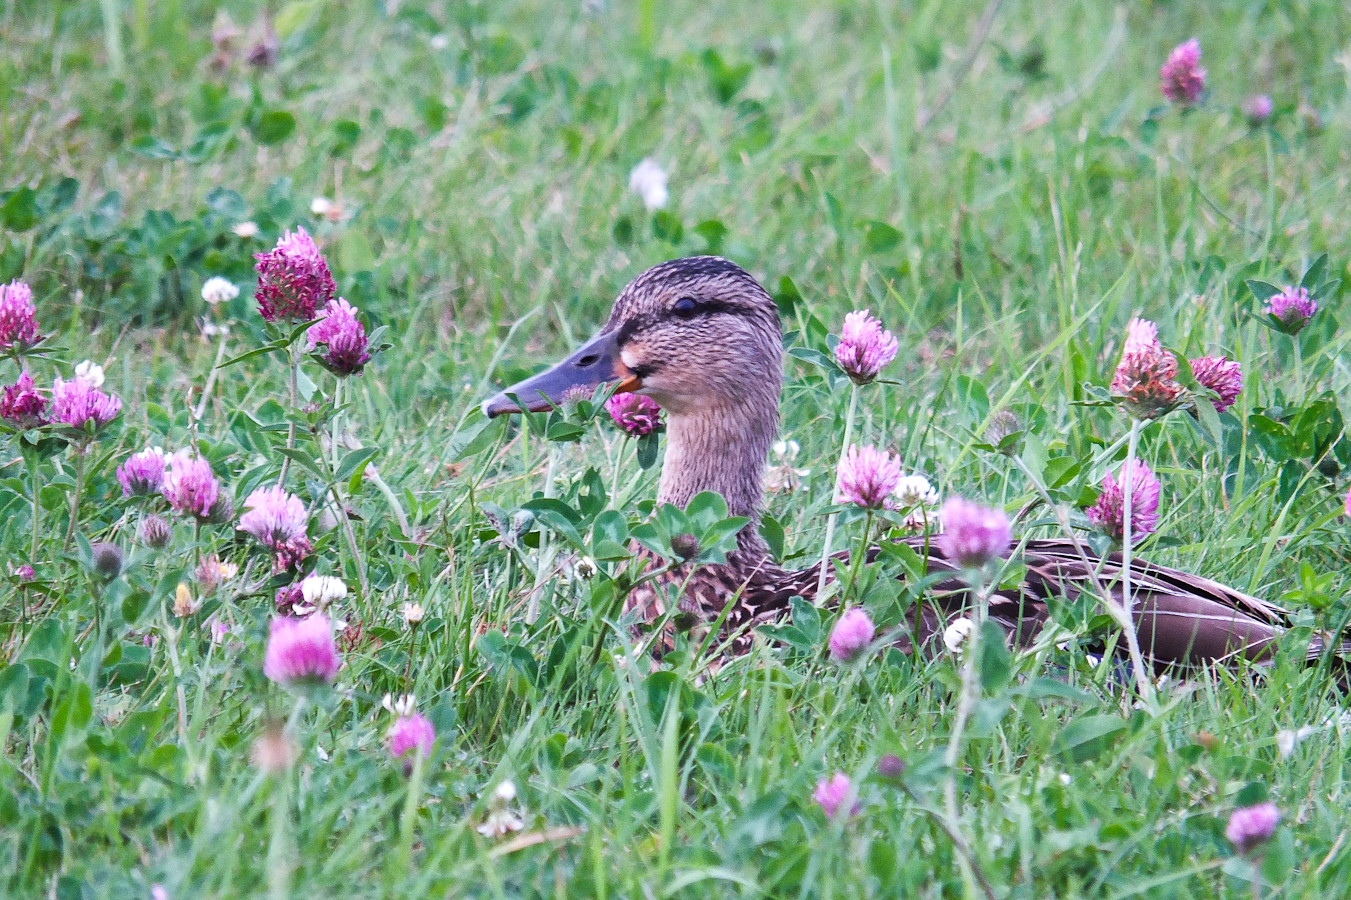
724,450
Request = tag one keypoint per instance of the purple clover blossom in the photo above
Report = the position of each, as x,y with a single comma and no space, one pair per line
1109,512
1292,309
852,634
1181,78
142,473
278,520
79,404
411,734
1257,109
344,336
867,477
189,485
635,414
836,795
1145,379
1252,826
865,347
293,279
973,535
301,651
18,318
1142,338
22,407
274,516
1221,375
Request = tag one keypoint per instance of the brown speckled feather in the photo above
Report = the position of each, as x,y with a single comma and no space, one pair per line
1182,618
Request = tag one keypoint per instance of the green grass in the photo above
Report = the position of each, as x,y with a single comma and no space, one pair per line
481,153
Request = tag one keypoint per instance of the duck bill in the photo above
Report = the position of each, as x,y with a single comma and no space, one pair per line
595,362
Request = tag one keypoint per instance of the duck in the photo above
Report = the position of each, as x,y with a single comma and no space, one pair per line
702,338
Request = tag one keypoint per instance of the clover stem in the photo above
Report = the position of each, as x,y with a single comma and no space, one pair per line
336,433
966,701
1299,368
37,511
293,385
75,496
857,561
1142,681
830,522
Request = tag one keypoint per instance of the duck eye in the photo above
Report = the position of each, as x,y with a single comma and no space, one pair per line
686,308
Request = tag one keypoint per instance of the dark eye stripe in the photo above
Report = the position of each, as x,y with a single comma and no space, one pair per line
713,307
643,322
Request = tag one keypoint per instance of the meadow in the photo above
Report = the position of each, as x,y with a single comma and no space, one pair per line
1004,186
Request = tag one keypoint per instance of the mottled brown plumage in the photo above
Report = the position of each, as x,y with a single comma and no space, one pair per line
702,338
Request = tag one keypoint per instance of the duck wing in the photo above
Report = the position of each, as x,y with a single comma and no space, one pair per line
1181,619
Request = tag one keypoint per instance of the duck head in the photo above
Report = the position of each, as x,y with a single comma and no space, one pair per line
701,337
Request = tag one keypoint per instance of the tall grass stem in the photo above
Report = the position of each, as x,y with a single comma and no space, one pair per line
112,35
210,379
401,864
547,549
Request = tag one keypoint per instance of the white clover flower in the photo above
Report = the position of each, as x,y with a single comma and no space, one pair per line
914,491
90,373
245,229
1287,741
321,206
583,567
501,821
440,41
648,180
321,590
412,614
403,706
783,476
955,635
219,290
